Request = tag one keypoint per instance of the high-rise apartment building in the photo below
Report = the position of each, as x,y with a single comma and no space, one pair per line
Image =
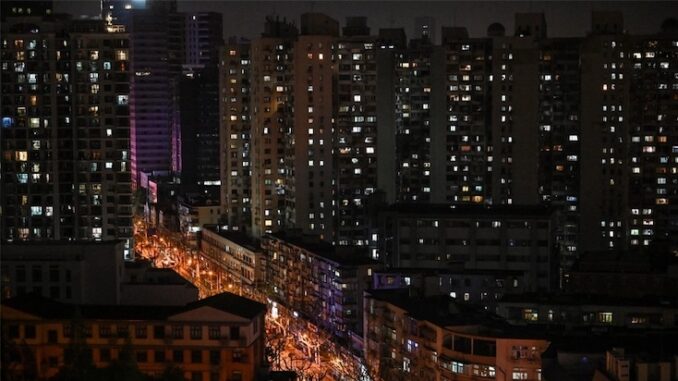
628,145
271,122
521,119
653,142
292,113
235,134
65,131
355,135
462,119
309,161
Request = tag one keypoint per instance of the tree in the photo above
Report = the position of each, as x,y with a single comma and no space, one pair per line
78,364
172,373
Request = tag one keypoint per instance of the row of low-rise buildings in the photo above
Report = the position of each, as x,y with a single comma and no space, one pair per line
217,338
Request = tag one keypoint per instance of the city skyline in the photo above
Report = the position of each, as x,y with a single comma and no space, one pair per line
377,191
565,18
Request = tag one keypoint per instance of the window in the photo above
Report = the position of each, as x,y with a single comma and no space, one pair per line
159,331
178,356
215,356
105,330
178,332
105,355
52,336
530,314
37,274
519,374
196,356
605,317
235,333
29,331
196,332
140,332
159,356
214,332
142,356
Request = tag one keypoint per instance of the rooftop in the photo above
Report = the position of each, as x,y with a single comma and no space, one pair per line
586,299
343,256
57,250
443,311
236,237
515,211
448,271
50,309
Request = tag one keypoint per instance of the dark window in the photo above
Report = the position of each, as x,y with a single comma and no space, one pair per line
53,362
178,332
141,332
13,331
214,332
235,332
237,356
68,330
196,357
52,336
178,355
214,376
29,332
159,356
123,331
214,357
104,331
36,274
53,273
196,332
105,354
20,274
236,375
142,356
54,292
196,376
159,331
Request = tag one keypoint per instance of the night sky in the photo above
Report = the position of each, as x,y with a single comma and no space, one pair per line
564,18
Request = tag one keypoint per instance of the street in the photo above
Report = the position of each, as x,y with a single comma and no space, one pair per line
292,342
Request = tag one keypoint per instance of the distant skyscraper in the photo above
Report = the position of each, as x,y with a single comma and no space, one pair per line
119,12
66,155
156,44
425,28
199,120
204,37
197,146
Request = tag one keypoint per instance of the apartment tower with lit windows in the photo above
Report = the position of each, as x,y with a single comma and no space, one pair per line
65,131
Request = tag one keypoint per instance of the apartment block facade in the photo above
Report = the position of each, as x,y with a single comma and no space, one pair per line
65,131
324,285
220,337
501,238
434,339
